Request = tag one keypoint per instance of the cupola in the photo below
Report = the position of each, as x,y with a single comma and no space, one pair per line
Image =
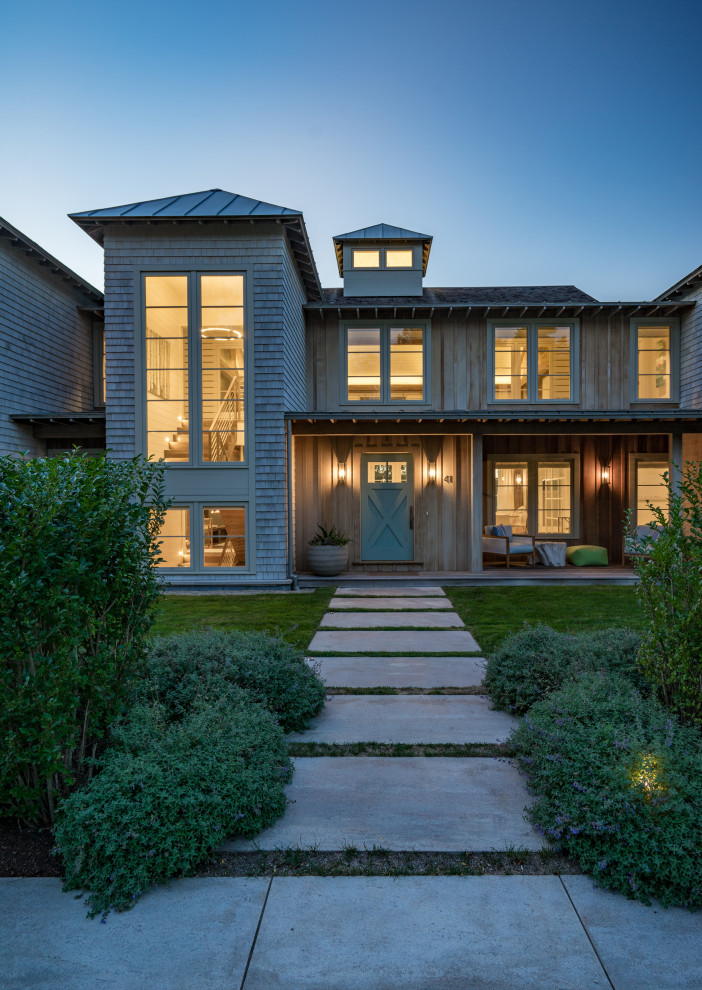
382,260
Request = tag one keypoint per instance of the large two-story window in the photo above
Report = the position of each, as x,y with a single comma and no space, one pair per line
533,361
654,345
534,495
194,366
385,362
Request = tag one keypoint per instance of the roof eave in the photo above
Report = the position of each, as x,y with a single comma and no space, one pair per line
43,258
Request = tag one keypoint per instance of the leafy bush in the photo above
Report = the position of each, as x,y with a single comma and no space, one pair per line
619,786
178,668
167,795
670,591
537,660
78,543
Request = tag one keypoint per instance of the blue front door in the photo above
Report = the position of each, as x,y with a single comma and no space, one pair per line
387,507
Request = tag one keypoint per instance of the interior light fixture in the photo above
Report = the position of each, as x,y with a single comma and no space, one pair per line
220,333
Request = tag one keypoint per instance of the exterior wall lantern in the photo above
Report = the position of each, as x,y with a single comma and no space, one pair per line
341,472
605,474
431,473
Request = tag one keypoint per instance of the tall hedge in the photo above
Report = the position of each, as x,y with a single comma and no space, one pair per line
78,545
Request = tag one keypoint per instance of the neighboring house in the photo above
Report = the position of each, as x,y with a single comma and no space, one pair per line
51,395
411,417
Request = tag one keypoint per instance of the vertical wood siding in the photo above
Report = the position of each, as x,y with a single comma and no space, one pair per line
46,348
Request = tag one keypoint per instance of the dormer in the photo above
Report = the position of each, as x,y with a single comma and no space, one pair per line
382,260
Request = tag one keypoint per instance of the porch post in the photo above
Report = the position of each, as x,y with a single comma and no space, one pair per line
476,549
676,458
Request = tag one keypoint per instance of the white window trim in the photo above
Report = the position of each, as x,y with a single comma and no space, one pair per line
533,362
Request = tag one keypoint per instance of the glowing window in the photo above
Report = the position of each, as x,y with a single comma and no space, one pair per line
174,539
653,362
398,259
366,259
224,532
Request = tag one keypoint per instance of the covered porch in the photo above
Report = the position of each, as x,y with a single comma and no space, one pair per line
415,496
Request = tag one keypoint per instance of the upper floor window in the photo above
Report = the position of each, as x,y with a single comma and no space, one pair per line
533,361
653,371
195,381
385,363
385,258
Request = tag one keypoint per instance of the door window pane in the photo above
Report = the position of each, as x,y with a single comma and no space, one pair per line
224,533
387,472
407,364
512,496
222,353
653,362
175,539
554,499
167,367
554,363
511,363
363,360
650,487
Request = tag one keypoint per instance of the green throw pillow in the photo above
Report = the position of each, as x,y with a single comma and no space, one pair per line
587,556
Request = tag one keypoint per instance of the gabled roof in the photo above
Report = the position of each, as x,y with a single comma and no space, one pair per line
684,286
46,260
208,205
382,232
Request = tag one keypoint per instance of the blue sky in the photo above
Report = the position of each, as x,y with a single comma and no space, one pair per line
540,143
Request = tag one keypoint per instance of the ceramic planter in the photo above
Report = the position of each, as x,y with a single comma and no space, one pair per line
327,561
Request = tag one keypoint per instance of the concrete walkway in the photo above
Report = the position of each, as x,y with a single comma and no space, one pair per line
369,933
350,933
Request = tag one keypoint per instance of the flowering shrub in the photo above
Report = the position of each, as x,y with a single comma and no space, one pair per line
537,660
78,544
669,568
179,667
167,795
618,785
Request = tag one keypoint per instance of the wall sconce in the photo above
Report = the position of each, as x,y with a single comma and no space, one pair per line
518,479
341,472
431,473
605,474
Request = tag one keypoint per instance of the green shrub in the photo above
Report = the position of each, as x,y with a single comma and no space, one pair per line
618,785
78,543
167,795
537,660
274,673
670,592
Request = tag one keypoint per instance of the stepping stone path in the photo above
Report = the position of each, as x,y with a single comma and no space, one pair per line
402,803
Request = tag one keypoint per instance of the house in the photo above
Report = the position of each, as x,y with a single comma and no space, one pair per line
51,394
409,416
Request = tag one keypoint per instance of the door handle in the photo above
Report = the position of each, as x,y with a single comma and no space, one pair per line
411,517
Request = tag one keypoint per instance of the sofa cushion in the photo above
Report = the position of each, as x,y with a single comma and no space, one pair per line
587,556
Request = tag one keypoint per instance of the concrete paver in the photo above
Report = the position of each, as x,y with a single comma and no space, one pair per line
642,948
419,718
394,641
404,620
422,933
398,672
403,803
365,592
190,934
390,603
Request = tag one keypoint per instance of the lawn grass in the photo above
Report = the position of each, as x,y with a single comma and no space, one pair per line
294,616
493,613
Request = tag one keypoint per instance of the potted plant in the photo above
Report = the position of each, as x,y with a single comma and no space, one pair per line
328,551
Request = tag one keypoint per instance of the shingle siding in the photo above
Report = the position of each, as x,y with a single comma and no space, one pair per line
691,355
278,378
46,348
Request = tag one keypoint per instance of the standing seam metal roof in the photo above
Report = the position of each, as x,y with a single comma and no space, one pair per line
382,232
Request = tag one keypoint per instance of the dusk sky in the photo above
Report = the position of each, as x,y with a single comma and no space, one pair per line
539,143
